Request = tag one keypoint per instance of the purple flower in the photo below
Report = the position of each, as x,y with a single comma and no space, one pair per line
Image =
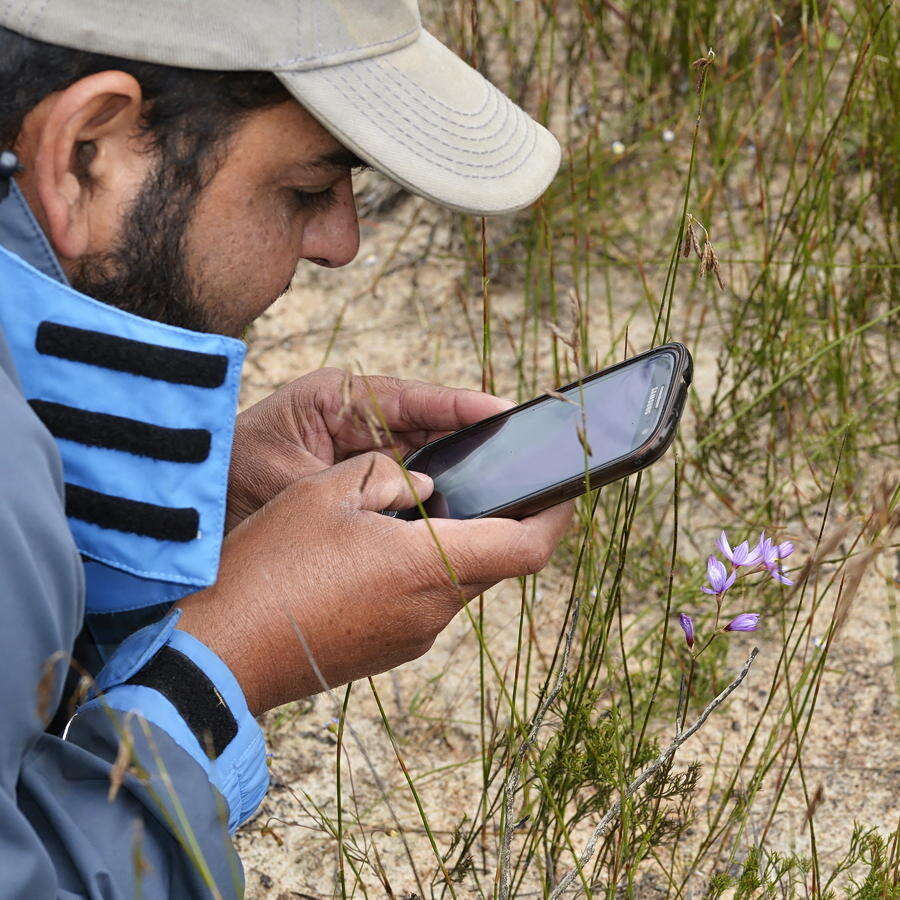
687,626
744,622
769,555
718,577
785,549
741,555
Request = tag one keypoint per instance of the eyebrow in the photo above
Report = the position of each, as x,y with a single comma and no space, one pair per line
339,158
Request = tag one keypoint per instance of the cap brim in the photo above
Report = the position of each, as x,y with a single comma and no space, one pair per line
432,123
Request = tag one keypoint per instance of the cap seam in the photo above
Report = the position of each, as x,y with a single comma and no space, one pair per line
285,64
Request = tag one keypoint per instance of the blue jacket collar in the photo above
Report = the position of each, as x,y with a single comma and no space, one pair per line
21,235
143,413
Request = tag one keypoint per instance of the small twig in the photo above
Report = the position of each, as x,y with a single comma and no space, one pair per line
612,814
512,783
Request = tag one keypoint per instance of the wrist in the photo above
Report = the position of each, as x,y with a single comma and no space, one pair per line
227,637
173,680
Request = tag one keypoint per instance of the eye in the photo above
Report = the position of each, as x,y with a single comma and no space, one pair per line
314,201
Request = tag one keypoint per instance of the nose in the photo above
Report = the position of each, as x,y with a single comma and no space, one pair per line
331,237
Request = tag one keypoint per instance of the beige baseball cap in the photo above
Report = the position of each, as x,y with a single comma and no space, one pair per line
366,69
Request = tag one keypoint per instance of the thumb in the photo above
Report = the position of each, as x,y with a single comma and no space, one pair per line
375,482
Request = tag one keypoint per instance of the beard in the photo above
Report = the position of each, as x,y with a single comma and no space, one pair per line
145,272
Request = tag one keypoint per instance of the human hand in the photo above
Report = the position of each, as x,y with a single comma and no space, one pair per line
328,416
317,586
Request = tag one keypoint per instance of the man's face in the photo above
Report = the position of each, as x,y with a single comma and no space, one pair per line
282,193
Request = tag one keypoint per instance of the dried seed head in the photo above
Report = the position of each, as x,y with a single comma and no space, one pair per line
690,239
575,308
582,439
706,258
709,263
375,429
701,67
715,268
556,395
561,335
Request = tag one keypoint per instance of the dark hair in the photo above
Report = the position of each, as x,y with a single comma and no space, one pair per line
191,109
188,116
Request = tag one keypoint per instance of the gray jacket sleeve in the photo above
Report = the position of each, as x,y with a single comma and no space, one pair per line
162,830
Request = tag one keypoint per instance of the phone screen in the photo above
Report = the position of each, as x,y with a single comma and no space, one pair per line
532,449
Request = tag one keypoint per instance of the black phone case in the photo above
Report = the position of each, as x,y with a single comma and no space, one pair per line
647,454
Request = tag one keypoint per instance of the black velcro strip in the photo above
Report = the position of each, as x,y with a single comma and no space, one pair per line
165,523
111,352
188,445
189,689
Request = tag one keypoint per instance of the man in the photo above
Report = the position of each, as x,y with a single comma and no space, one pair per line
173,162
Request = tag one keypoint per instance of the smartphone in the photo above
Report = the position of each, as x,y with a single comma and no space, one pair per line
610,424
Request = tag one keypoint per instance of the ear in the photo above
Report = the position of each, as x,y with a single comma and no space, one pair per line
86,159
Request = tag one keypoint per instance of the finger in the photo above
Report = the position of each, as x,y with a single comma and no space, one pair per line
471,591
398,444
405,406
490,550
372,481
555,521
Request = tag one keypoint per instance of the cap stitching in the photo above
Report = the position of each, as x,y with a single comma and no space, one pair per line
457,160
493,177
382,64
432,151
508,105
299,59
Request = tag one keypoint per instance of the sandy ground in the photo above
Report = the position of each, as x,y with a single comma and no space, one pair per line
411,325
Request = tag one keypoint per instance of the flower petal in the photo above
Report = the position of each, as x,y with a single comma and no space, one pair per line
753,557
724,546
744,622
687,626
761,543
741,552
